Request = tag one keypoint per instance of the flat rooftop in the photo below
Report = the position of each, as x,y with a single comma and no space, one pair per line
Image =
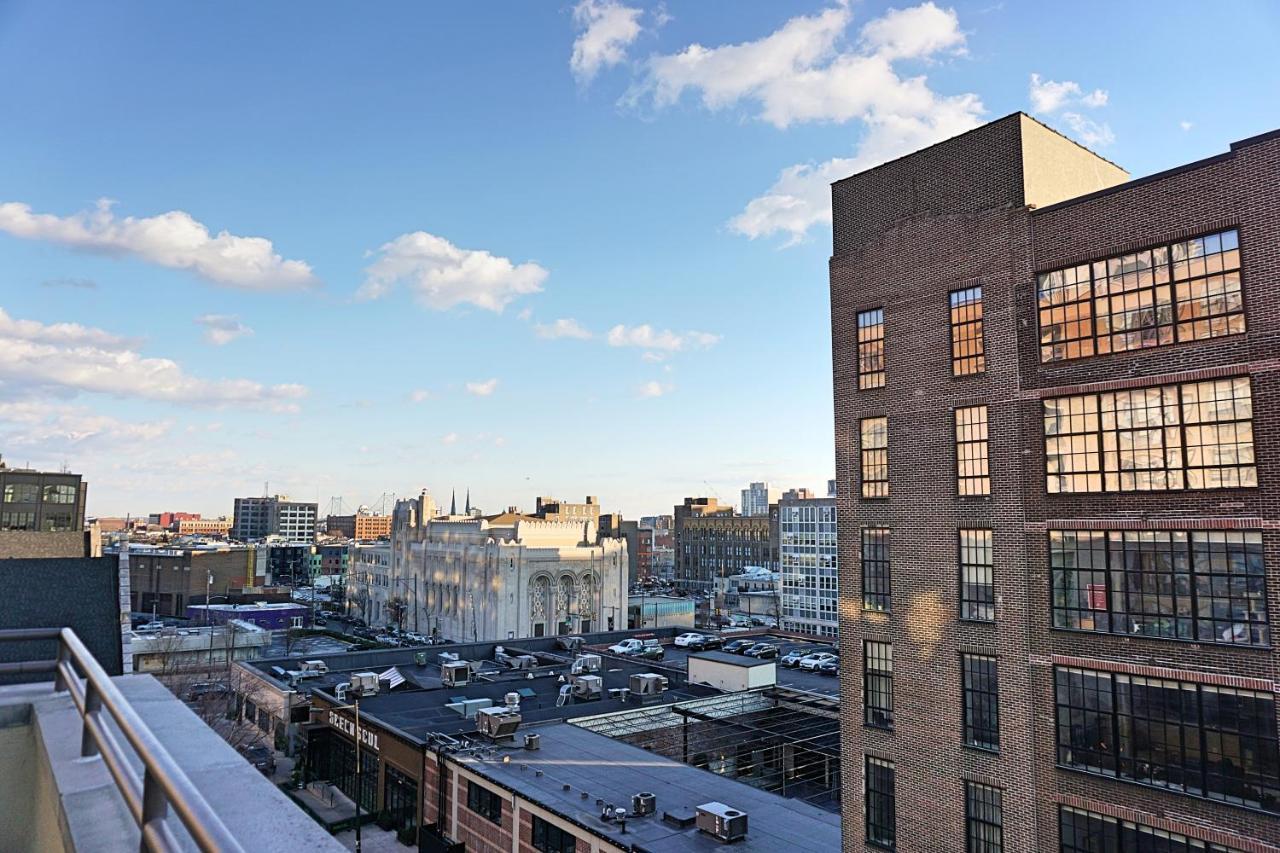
612,771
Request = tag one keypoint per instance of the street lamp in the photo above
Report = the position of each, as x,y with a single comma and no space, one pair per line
359,766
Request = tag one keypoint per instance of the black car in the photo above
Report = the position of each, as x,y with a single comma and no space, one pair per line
707,642
831,667
206,690
262,758
763,651
739,647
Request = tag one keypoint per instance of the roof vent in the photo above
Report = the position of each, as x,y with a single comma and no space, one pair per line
643,803
721,821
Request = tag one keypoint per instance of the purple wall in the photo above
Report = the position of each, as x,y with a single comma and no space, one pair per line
272,618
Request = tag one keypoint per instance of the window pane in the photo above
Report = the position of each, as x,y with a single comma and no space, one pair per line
871,349
880,806
877,684
967,352
973,476
984,818
875,569
874,436
981,701
977,590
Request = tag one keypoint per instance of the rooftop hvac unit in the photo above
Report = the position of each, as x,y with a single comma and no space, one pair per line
724,823
533,741
364,683
643,803
587,687
455,673
315,666
513,700
648,684
586,663
498,722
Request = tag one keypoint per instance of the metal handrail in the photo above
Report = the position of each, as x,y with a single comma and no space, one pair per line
162,784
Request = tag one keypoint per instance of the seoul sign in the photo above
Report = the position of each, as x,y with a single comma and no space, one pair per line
342,724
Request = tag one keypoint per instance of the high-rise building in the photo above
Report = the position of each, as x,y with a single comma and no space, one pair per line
757,498
807,563
258,518
1058,542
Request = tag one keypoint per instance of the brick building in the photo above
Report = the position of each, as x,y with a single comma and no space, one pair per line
1059,554
364,526
717,543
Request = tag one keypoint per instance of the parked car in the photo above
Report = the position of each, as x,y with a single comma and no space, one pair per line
689,639
320,622
654,652
738,647
358,622
416,639
633,646
812,662
207,690
792,658
763,651
707,641
830,667
262,758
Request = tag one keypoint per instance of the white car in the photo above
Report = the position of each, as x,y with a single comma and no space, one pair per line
690,639
812,661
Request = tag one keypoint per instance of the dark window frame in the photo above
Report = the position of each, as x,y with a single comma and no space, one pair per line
549,838
873,461
484,802
977,596
877,684
972,454
980,700
1084,831
983,818
877,572
870,352
968,347
880,803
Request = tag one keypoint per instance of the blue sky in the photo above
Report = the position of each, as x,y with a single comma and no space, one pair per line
414,194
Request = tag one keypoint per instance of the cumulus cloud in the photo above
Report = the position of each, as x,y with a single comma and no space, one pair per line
482,389
419,395
66,358
174,239
605,29
562,328
59,427
805,71
1185,125
449,438
654,388
442,276
812,70
222,329
1065,99
648,338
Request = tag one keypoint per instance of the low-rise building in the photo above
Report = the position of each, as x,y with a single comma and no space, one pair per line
218,527
173,650
362,525
271,615
163,581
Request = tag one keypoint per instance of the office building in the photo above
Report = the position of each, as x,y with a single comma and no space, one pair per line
1058,542
757,498
719,544
42,514
164,581
807,563
258,518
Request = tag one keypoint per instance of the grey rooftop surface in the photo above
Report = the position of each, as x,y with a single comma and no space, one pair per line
93,812
736,660
613,771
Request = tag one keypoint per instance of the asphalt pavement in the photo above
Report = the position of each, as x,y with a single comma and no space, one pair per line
799,679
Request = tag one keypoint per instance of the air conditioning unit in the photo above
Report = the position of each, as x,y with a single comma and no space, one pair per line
588,687
648,684
643,803
455,673
722,822
586,663
497,722
364,683
532,741
315,666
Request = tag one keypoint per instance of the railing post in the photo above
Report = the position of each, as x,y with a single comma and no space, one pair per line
154,807
92,707
59,680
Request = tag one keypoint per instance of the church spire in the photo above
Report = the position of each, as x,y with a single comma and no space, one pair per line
453,502
468,501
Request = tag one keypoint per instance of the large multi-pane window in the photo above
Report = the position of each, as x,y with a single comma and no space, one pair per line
1185,291
549,838
874,439
967,354
973,474
59,494
871,349
1081,831
484,802
877,684
980,679
881,809
1203,585
977,588
875,569
21,493
983,818
1198,435
1200,739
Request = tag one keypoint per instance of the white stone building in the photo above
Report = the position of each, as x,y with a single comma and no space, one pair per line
808,565
503,576
369,582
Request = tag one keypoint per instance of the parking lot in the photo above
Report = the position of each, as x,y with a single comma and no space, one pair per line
677,658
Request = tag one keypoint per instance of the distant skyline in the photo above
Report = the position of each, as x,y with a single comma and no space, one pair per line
528,249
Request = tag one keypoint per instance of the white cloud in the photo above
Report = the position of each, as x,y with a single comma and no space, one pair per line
654,388
1065,99
66,358
482,389
419,395
805,72
441,275
174,239
800,198
648,338
499,441
605,29
222,329
449,438
1185,125
58,427
1049,96
562,328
